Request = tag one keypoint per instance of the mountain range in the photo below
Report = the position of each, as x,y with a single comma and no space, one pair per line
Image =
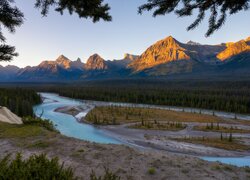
167,57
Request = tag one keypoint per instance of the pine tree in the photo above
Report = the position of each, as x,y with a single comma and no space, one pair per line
219,10
142,121
212,125
11,17
114,121
218,126
230,137
126,116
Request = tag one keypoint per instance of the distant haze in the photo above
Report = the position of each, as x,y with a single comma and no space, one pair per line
45,38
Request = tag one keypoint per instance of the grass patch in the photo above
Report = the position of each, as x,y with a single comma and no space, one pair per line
108,175
247,169
20,131
47,124
78,153
113,115
31,127
81,150
185,171
225,143
227,168
221,129
169,126
216,167
40,144
151,171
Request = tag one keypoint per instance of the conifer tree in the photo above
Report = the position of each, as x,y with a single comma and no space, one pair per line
11,17
218,10
230,137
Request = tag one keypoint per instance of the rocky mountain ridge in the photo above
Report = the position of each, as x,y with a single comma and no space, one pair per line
96,62
166,57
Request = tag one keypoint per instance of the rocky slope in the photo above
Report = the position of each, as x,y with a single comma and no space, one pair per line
98,68
164,51
173,54
7,116
61,68
234,49
96,62
8,72
171,57
130,57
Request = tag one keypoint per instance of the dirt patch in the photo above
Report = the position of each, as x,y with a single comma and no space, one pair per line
126,162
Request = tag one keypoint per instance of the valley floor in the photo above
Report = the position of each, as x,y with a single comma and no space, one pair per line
127,162
188,139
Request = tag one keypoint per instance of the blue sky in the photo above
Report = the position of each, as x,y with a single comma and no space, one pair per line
45,38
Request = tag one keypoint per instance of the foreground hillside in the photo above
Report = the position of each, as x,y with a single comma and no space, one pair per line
126,162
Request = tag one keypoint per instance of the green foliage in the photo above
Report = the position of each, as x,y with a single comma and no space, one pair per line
39,144
218,10
221,129
217,142
7,52
154,125
247,169
10,18
19,101
20,131
94,9
151,171
35,167
108,175
211,126
225,96
218,126
81,150
47,124
230,139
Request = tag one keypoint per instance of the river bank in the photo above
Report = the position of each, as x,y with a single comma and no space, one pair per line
161,140
128,163
69,126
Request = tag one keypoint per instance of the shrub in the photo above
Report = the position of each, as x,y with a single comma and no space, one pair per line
230,139
47,124
108,175
35,167
247,169
151,171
